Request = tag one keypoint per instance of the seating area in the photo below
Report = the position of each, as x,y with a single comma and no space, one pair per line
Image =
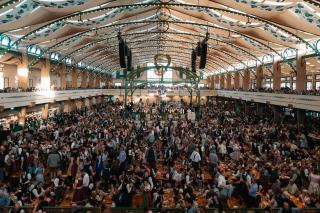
109,157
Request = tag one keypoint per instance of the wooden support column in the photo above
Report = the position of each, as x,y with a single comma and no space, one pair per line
98,80
22,116
217,82
212,82
74,78
84,79
276,76
228,81
62,73
259,77
23,72
277,113
246,80
236,80
222,82
301,81
45,111
45,75
91,80
301,117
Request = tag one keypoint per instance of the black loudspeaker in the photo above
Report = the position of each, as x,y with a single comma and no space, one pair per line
193,61
126,49
129,60
122,54
198,49
204,51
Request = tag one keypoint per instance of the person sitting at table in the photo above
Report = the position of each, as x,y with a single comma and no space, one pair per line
253,189
17,208
37,191
4,198
314,188
292,188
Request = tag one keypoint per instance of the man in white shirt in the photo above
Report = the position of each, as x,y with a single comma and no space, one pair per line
195,158
85,183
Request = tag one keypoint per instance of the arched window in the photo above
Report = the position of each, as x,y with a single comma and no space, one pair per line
81,64
5,40
34,50
55,56
69,61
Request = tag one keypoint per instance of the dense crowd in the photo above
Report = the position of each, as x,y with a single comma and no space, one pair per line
285,90
111,155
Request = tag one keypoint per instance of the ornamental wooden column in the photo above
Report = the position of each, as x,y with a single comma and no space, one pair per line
246,80
228,81
74,78
23,72
45,75
236,80
45,112
84,79
217,82
98,80
91,80
22,116
259,77
222,82
62,73
301,81
276,67
212,82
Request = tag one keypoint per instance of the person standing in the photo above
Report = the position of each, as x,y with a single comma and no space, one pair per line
195,158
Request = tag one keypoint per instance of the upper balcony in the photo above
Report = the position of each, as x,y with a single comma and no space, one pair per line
20,99
308,102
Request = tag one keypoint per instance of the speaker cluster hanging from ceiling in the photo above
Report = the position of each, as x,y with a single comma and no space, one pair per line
125,54
201,51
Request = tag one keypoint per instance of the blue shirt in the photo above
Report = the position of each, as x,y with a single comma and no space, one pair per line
253,190
122,156
4,199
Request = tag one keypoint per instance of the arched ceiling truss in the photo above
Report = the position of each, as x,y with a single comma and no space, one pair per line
84,32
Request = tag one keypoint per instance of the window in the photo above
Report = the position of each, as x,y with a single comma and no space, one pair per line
156,75
6,82
55,57
117,84
309,82
2,76
5,40
285,82
69,61
318,82
34,50
30,83
267,82
253,83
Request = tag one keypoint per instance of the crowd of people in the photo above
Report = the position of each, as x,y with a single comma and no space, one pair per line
158,156
285,90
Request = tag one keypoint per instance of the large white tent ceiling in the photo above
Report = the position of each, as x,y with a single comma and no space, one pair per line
242,32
